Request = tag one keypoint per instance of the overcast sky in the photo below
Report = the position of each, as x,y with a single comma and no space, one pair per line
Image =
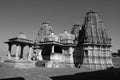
27,15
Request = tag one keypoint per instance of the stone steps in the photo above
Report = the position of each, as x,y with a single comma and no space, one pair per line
52,64
24,65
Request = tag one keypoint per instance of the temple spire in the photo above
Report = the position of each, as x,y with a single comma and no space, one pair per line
45,22
94,31
45,30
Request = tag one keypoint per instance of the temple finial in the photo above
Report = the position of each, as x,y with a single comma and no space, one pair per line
91,10
45,20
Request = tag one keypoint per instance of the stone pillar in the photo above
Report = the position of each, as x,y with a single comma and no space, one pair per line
103,58
9,51
62,51
110,55
97,57
63,56
104,49
85,58
53,49
71,54
107,57
30,53
17,53
39,55
21,53
90,56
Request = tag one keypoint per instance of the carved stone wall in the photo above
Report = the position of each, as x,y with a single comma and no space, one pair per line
96,43
44,31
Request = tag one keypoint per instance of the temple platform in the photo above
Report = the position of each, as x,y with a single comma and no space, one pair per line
32,64
19,63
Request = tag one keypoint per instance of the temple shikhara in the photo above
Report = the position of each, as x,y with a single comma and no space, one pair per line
87,45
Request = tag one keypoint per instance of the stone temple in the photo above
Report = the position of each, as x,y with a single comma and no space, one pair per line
86,45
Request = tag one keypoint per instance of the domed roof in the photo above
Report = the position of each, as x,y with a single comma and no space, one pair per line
22,35
66,36
52,37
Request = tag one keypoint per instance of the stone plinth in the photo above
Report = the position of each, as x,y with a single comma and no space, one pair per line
19,64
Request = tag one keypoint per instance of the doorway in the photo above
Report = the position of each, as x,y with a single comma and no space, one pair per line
46,52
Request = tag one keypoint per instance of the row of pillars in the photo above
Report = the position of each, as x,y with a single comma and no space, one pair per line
70,50
40,51
93,54
17,57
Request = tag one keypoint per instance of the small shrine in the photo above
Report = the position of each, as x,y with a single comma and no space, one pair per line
20,41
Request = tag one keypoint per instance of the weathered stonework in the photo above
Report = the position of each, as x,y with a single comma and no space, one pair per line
86,45
95,41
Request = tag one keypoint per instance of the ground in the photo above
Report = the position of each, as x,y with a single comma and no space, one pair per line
58,74
116,62
37,73
40,73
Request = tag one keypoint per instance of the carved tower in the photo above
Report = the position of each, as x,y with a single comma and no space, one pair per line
95,41
44,31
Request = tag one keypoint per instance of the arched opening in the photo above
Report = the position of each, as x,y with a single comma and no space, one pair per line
13,50
25,52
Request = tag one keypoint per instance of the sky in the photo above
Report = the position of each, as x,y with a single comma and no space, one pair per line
27,16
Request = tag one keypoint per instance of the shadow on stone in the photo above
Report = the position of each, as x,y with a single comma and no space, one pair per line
111,73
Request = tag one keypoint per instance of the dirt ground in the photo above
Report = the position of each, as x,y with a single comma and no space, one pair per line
58,74
41,73
37,73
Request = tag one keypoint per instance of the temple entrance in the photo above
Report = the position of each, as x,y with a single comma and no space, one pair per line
46,52
47,49
58,49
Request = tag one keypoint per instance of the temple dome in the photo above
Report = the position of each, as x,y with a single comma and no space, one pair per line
22,36
66,37
52,37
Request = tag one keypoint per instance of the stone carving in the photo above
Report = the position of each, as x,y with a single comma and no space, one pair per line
93,34
44,31
94,29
